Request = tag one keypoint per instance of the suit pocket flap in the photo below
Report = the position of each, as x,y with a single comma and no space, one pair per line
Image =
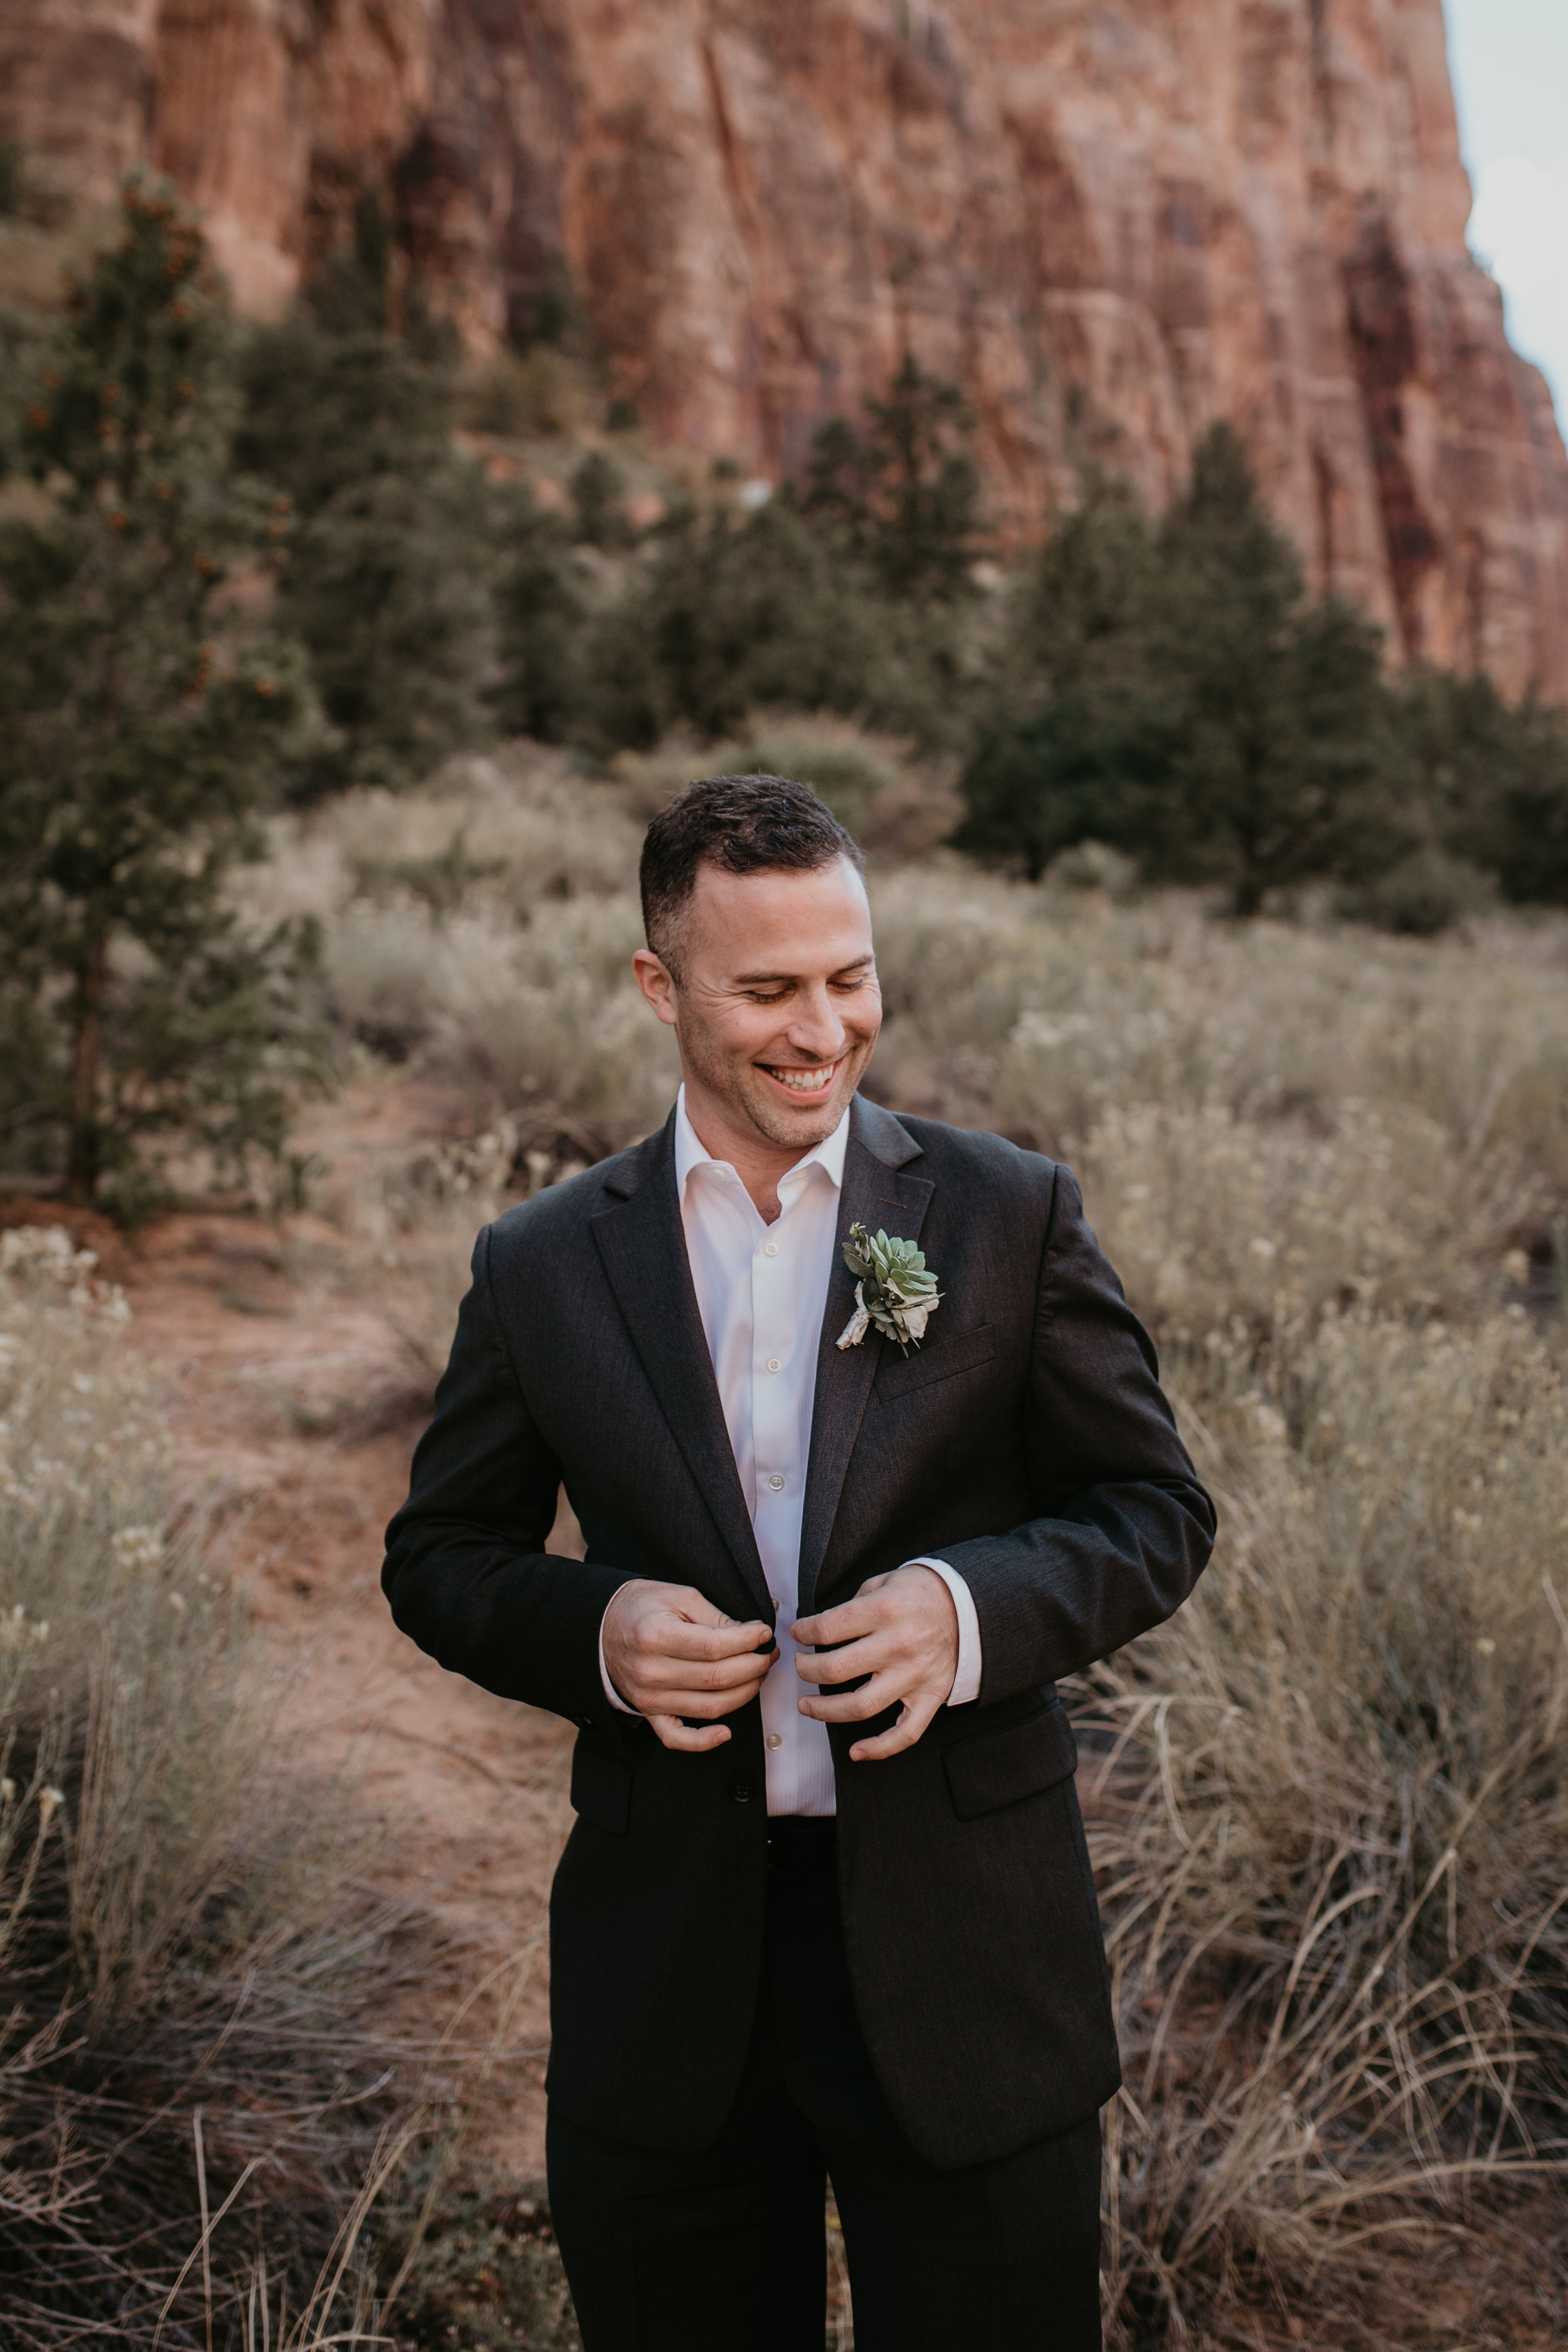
936,1360
993,1768
602,1789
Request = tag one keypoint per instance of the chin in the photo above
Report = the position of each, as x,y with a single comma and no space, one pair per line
813,1122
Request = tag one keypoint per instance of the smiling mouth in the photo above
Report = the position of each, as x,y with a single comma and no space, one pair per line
807,1084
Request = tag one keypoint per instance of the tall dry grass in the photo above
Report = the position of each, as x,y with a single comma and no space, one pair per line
197,2081
1331,1814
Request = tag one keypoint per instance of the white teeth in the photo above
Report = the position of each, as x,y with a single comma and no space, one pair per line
805,1082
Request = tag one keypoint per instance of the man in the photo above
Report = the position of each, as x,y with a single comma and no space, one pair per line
827,1909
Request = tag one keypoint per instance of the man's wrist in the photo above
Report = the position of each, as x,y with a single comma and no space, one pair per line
611,1692
967,1672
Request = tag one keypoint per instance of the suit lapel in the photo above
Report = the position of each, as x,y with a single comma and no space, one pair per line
642,1247
876,1192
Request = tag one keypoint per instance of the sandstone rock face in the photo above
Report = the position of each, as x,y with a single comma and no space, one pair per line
1113,221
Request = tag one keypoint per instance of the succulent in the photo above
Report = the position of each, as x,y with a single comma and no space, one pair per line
894,1289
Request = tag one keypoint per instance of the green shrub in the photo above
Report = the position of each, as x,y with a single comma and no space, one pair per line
1424,893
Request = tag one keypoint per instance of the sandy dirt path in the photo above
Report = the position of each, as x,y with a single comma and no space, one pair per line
280,1373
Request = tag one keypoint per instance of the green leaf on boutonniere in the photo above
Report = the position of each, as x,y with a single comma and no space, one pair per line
893,1290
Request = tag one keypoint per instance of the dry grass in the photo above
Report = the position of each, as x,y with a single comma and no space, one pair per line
1332,1818
194,2065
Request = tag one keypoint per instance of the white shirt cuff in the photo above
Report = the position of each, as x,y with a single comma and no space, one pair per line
967,1680
613,1694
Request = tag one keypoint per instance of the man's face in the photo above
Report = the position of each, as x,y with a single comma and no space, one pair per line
777,1008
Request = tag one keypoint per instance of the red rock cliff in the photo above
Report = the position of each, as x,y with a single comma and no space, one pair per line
1112,222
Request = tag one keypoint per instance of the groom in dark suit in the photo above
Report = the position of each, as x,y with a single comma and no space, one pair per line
826,1911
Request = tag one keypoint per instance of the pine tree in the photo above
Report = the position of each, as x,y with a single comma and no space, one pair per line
903,487
1284,719
389,578
1081,729
1178,695
144,724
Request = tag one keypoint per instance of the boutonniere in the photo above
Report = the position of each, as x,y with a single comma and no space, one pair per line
892,1291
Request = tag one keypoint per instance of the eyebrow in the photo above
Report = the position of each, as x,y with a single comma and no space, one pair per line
772,979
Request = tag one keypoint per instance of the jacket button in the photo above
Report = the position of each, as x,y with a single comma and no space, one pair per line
743,1787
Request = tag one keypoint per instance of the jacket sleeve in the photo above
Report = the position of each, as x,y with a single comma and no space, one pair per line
1125,1527
466,1571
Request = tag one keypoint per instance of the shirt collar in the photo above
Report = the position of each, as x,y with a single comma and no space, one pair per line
827,1155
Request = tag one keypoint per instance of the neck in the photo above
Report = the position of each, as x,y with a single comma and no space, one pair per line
758,1163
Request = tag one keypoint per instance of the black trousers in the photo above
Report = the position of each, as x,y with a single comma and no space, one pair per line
723,2252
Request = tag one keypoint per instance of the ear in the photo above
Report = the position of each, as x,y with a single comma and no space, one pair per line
656,982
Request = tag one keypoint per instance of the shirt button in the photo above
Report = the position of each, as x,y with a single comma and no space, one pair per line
774,1365
770,1249
775,1739
775,1482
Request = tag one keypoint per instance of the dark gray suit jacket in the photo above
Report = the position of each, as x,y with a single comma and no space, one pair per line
1026,1443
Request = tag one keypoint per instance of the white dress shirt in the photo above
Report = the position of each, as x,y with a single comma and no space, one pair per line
761,1292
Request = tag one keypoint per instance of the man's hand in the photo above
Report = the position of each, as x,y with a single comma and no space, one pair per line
669,1652
902,1628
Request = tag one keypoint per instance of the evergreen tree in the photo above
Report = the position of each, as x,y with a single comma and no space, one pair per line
723,615
904,490
1284,724
1082,731
542,617
144,728
1492,780
389,576
1175,694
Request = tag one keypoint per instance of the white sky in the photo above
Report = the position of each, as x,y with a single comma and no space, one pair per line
1510,63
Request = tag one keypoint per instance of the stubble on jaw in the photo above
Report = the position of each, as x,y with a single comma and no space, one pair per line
724,1078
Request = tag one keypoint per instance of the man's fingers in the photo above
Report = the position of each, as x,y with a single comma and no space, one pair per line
673,1733
842,1666
854,1706
847,1622
668,1698
685,1600
910,1725
706,1673
673,1634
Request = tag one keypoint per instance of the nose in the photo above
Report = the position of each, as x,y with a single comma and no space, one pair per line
818,1030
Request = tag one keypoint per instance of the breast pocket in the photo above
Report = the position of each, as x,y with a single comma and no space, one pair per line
938,1360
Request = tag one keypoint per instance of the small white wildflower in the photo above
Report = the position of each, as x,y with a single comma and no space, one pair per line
49,1802
8,1790
136,1549
1486,1647
1262,1248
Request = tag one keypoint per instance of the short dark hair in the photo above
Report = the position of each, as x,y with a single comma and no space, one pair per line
748,825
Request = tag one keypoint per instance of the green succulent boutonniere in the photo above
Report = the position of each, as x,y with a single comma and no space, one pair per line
892,1290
